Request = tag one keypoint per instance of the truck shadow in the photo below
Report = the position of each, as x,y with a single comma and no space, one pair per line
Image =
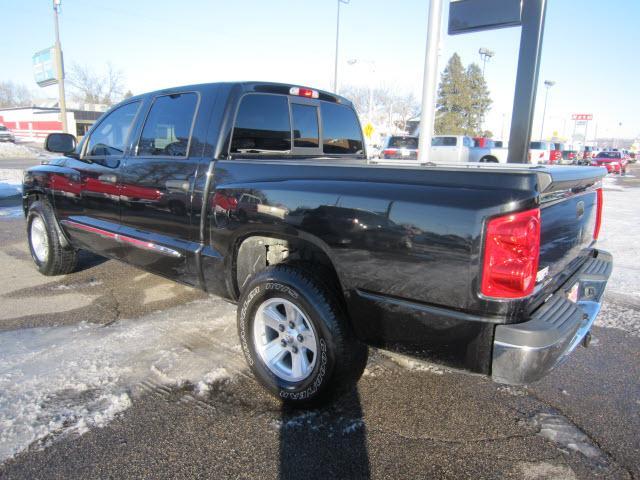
329,442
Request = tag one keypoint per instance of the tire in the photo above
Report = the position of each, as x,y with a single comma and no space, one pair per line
49,254
292,292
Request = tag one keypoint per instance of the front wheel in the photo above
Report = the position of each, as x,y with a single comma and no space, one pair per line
296,337
45,242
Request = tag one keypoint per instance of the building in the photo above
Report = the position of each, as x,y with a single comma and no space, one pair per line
35,123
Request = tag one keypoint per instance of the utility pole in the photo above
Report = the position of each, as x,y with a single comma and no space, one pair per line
335,66
60,68
429,80
548,84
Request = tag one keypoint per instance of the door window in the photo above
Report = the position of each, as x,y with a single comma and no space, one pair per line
110,136
262,125
167,129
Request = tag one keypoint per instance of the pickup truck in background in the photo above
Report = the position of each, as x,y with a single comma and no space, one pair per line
260,192
460,148
539,153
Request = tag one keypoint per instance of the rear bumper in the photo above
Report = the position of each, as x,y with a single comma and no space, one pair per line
525,352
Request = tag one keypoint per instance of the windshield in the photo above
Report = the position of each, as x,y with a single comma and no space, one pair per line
403,142
3,128
538,146
613,155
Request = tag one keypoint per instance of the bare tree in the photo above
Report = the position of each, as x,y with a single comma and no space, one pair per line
14,95
91,87
389,107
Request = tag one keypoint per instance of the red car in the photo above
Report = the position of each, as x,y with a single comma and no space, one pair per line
614,162
556,153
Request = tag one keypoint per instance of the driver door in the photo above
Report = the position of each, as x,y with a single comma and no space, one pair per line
87,195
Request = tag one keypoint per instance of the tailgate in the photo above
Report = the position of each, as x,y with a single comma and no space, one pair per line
568,218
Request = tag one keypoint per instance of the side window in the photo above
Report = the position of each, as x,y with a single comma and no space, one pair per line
262,125
305,126
340,129
109,137
443,141
168,126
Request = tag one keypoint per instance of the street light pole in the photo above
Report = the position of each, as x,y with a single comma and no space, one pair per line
548,84
485,54
60,69
335,66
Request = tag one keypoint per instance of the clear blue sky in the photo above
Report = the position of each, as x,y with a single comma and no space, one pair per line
590,49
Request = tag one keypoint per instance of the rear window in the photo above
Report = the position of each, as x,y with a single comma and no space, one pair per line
538,146
262,125
305,126
403,142
340,129
3,128
443,142
609,155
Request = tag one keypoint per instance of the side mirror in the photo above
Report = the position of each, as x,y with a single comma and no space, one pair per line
60,143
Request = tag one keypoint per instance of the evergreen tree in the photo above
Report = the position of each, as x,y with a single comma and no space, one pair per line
453,99
480,99
463,99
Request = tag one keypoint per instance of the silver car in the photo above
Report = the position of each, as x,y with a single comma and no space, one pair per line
6,135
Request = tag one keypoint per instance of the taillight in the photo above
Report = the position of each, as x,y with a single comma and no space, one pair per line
390,151
596,230
304,92
511,254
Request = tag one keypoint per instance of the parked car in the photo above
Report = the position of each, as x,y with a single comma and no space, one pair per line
588,153
400,147
488,268
569,157
6,135
555,155
539,153
613,161
460,148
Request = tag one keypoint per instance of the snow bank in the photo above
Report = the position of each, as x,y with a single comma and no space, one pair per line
10,182
65,380
13,150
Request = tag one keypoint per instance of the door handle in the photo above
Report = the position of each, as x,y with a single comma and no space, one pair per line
108,178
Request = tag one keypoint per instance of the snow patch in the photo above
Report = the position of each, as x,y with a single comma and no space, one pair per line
414,364
10,182
57,381
559,430
545,471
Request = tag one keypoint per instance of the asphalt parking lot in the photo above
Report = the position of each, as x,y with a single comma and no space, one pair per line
113,372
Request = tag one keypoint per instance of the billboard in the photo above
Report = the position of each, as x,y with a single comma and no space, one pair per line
44,67
582,116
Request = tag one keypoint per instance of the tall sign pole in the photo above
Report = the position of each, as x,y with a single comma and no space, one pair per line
533,13
427,117
60,68
477,15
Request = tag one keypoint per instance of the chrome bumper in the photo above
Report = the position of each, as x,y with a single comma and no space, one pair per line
525,352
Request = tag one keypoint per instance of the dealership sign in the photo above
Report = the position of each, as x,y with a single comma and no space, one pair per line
582,116
44,67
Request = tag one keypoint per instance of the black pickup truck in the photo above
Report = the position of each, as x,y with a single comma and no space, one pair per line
260,192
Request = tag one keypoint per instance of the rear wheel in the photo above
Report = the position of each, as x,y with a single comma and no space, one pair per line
46,242
296,336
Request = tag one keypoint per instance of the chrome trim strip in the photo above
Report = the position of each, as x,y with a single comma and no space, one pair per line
142,244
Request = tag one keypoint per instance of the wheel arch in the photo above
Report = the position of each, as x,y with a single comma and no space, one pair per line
255,252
